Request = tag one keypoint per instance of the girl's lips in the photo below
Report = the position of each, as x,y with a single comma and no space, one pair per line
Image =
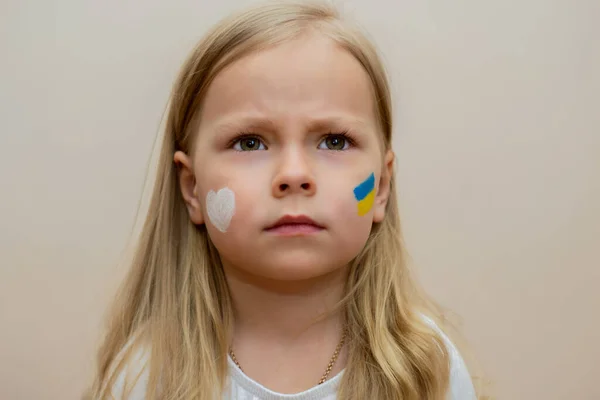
295,225
295,229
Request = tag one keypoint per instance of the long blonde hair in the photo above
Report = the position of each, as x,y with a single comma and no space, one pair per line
175,300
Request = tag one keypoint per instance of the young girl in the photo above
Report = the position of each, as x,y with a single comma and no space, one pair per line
271,264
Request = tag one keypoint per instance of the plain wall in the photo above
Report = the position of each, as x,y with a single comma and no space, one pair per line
498,144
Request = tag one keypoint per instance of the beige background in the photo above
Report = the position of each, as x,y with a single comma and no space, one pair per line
498,139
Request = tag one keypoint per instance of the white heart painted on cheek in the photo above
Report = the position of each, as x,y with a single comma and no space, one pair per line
220,207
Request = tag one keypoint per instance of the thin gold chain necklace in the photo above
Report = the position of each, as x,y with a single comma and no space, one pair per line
336,353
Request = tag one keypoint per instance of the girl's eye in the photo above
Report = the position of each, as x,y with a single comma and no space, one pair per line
334,142
249,143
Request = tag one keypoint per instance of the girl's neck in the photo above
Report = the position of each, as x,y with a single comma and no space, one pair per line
275,337
285,311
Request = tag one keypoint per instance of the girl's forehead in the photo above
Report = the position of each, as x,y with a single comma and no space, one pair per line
307,76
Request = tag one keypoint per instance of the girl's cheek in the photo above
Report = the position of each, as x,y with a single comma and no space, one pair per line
233,207
356,199
220,207
364,195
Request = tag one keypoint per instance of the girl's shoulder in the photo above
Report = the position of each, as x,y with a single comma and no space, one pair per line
461,384
134,371
132,379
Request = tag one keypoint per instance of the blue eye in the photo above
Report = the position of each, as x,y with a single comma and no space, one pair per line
335,142
249,143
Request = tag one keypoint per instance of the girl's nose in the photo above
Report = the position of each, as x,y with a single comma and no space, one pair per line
294,176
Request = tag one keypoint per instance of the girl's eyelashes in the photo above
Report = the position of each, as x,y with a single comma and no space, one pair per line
335,141
247,142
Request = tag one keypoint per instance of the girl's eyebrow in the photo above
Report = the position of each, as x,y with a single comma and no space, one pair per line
244,121
337,121
259,123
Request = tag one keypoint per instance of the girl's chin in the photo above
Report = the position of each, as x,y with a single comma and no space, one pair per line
293,272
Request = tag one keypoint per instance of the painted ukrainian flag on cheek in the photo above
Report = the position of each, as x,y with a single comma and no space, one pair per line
365,195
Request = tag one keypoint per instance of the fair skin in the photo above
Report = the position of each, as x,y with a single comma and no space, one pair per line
292,101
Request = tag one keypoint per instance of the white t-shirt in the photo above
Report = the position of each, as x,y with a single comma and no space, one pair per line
242,387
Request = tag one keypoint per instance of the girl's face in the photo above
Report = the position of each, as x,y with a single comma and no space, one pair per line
288,172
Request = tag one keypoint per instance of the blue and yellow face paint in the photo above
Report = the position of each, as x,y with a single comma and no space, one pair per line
365,195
